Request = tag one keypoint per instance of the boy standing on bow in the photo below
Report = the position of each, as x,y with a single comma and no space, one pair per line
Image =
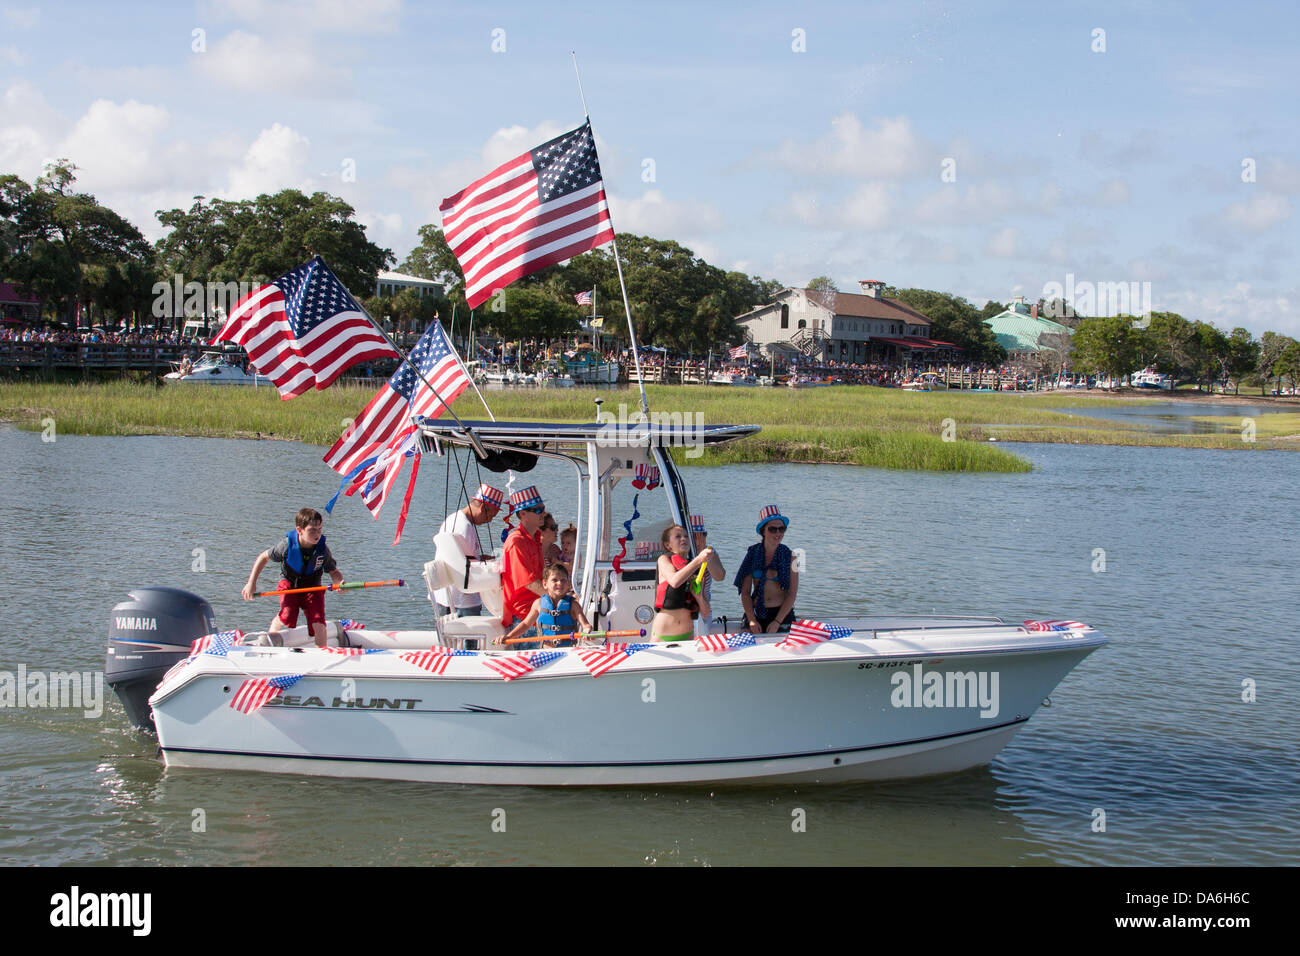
303,558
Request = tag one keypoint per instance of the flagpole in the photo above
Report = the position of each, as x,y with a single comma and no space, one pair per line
627,309
473,384
415,368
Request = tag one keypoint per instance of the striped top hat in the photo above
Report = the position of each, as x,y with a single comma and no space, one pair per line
525,498
490,496
770,513
647,476
697,524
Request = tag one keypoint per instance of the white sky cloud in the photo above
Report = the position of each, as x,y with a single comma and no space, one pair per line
344,16
889,149
278,159
1258,213
253,64
653,214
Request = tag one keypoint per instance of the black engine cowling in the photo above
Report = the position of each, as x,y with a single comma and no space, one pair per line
147,634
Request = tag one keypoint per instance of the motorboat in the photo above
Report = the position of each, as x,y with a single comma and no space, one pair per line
1150,378
213,368
497,373
733,377
588,367
873,697
554,376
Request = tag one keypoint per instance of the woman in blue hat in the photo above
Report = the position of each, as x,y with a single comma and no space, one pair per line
767,580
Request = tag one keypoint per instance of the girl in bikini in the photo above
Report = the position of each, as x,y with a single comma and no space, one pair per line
675,572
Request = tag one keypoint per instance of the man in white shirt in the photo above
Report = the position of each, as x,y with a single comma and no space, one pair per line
482,508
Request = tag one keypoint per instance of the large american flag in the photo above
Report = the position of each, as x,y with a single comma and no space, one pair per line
541,208
303,330
371,452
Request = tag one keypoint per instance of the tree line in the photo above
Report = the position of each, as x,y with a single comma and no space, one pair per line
77,257
1187,351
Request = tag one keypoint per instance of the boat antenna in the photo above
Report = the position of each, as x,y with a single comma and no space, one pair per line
627,309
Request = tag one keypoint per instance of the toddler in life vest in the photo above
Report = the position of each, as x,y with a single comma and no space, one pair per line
303,558
555,612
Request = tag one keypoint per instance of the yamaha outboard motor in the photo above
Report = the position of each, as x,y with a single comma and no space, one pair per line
146,636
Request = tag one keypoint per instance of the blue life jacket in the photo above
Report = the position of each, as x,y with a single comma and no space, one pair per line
293,560
555,618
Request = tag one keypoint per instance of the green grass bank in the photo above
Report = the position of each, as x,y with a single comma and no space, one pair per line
887,428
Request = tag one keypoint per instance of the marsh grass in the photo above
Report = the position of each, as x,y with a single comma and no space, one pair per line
856,425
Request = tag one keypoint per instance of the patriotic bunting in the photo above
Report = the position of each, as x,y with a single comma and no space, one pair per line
805,632
724,642
524,662
256,691
601,659
1055,626
352,651
435,661
216,644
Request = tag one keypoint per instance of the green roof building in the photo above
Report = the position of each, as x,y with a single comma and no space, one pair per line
1018,329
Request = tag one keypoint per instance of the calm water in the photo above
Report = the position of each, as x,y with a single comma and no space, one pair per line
1175,417
1196,597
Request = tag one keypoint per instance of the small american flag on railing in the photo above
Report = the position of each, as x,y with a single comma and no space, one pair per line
600,660
724,642
524,662
256,691
216,644
436,659
805,632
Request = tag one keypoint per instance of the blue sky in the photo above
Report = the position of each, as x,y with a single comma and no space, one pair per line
787,140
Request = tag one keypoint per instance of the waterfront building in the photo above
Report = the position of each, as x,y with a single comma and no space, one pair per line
1025,334
391,283
808,325
17,308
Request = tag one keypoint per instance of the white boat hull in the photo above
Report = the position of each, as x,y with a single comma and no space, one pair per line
667,715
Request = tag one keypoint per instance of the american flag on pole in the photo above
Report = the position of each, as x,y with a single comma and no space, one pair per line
541,208
583,298
303,330
524,662
435,661
724,642
370,454
740,351
256,691
601,659
216,644
805,632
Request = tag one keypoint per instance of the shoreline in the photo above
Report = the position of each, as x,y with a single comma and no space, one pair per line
946,430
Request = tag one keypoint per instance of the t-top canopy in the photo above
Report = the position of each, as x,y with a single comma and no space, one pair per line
661,430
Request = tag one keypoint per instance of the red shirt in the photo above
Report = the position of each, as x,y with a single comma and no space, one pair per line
521,565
